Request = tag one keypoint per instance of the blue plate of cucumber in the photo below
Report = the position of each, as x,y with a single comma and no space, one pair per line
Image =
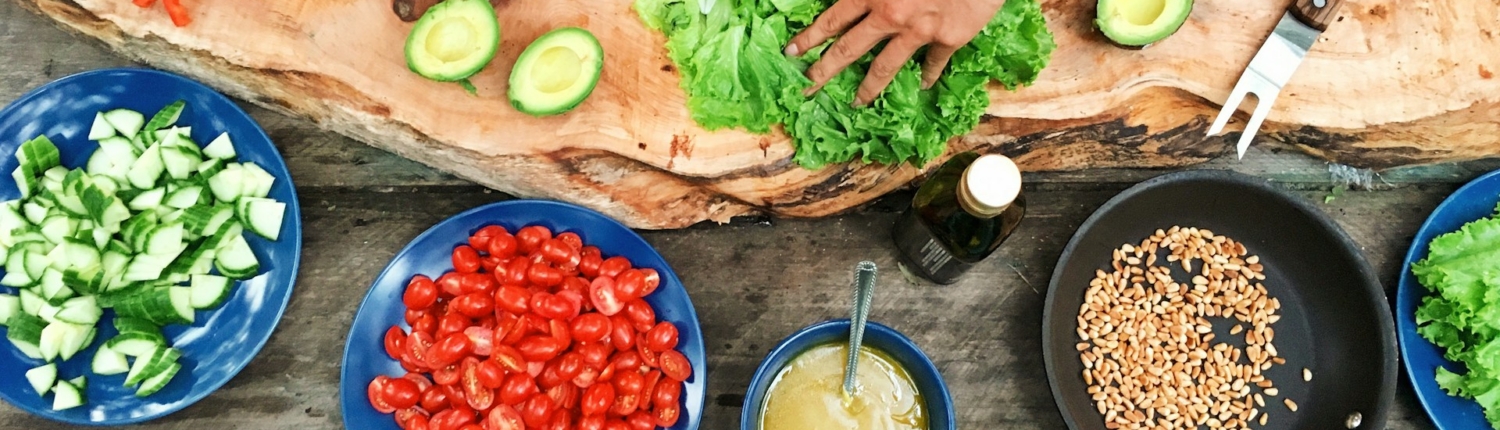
150,236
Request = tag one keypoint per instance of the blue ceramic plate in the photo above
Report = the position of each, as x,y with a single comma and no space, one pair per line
222,341
431,254
1472,202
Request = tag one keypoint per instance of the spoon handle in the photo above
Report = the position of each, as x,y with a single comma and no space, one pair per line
864,290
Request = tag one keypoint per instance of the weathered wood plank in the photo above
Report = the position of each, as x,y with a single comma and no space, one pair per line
752,284
633,152
39,52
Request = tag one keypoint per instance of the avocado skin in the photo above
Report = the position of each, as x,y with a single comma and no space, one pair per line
1133,41
523,101
479,12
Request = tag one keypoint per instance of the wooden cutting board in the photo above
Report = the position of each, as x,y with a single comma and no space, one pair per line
1393,82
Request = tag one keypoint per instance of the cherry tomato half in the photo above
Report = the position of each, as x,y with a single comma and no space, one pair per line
536,411
653,280
675,365
504,417
531,237
395,341
518,388
605,298
597,399
376,393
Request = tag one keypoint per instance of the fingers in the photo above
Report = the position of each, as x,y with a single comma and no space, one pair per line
884,69
844,52
936,61
830,23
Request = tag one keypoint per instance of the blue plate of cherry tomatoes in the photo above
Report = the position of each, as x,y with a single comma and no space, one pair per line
525,314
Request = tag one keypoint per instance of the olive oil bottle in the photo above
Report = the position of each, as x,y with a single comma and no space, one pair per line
964,211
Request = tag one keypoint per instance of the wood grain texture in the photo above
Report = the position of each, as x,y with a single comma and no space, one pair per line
1375,92
752,283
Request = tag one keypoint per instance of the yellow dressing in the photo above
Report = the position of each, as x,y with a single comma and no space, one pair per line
807,394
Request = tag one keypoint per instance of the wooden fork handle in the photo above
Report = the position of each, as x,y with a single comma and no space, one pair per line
1316,13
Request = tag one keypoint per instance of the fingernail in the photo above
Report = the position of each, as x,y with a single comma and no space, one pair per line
858,104
927,85
791,50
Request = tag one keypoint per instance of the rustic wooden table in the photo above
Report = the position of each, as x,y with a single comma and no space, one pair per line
753,282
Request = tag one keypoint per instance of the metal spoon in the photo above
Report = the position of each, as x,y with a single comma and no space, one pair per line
864,290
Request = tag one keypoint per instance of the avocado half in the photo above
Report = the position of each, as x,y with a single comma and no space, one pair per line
454,40
556,72
1138,23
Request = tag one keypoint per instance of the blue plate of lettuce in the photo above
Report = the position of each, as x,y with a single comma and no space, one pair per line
1448,309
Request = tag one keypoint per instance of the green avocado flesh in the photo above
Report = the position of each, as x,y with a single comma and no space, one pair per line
454,40
556,72
1141,22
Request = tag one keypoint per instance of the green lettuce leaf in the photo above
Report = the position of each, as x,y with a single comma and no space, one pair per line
1462,313
736,76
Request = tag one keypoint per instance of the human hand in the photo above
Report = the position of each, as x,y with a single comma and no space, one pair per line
941,25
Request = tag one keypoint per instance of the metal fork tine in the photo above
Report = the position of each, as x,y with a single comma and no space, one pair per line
1235,98
1263,101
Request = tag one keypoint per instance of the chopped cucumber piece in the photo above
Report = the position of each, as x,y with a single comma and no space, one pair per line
136,344
209,291
31,304
53,338
179,162
166,116
156,383
165,239
42,377
101,128
146,267
75,338
10,305
236,260
259,178
221,148
148,200
66,396
262,215
125,121
108,362
185,197
228,184
80,310
52,286
141,363
147,169
182,302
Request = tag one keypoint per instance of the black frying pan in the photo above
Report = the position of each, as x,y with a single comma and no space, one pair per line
1335,317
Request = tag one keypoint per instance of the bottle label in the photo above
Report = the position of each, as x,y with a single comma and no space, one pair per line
918,247
934,257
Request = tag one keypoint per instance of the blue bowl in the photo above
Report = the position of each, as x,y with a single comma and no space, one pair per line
431,254
929,381
221,342
1471,202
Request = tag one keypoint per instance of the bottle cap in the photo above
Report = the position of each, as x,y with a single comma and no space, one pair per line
990,185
